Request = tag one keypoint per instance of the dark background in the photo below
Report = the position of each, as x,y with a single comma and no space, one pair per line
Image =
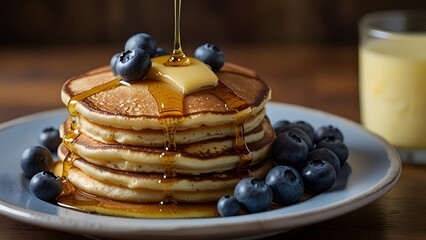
270,22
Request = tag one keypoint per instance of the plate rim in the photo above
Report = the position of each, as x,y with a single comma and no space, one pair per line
344,206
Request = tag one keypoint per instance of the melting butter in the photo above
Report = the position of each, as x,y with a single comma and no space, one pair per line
187,79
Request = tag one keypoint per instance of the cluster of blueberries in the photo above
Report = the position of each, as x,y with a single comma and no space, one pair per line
135,62
36,162
307,161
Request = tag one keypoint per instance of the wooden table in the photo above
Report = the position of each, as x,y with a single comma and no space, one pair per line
318,77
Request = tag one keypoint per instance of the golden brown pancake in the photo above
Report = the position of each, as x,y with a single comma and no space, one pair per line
190,160
136,108
156,138
140,187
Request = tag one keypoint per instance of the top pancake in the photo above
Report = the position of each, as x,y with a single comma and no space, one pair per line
136,108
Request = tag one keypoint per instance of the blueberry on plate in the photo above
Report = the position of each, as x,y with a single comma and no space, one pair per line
279,125
46,186
318,176
113,63
36,159
211,55
289,149
133,64
286,184
253,195
50,139
142,41
327,131
304,136
326,155
336,146
228,206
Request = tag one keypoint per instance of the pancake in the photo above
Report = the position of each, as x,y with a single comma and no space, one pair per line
139,187
189,160
156,138
136,108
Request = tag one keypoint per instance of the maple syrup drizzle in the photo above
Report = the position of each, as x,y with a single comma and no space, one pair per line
170,108
243,110
178,58
73,133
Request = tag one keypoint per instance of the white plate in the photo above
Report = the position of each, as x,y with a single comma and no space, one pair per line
373,169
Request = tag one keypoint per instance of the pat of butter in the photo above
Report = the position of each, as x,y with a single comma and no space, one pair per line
187,79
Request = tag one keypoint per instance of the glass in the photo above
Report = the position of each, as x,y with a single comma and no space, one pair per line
392,73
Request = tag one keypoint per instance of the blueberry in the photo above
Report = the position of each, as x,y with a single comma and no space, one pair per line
142,41
46,186
327,131
304,136
133,64
228,206
286,184
253,195
280,124
210,55
289,149
302,125
160,52
113,63
326,155
36,159
50,139
336,146
318,176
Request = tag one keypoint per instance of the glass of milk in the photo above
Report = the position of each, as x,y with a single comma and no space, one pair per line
392,79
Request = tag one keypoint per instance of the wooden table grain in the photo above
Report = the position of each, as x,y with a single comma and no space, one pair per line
320,77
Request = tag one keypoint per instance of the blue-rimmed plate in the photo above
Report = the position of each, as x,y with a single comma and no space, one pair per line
372,169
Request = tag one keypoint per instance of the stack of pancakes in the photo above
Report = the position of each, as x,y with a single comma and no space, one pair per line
123,142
